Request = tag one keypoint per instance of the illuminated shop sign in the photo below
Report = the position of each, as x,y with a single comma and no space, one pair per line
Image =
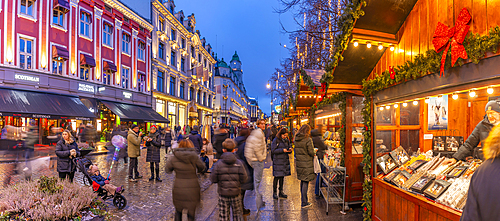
41,116
85,87
26,78
127,95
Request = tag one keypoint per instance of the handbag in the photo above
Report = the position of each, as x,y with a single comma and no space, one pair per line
317,167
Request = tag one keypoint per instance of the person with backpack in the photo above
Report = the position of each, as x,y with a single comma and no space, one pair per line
195,137
229,173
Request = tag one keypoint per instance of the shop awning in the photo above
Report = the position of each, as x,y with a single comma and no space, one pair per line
40,105
62,3
87,60
60,52
128,112
108,65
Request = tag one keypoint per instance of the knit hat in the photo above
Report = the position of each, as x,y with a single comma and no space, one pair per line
493,105
153,126
195,128
133,126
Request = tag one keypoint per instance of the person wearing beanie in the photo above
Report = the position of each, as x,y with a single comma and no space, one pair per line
195,137
134,151
480,133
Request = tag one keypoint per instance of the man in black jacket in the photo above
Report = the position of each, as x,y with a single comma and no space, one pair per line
195,137
220,137
480,133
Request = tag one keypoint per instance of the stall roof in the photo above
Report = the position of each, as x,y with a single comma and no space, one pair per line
381,23
41,105
135,113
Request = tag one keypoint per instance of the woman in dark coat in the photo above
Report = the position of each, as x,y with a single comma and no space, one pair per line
186,191
304,153
280,149
66,151
153,153
318,143
240,153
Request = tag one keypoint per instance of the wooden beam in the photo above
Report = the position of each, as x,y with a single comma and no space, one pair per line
345,86
374,35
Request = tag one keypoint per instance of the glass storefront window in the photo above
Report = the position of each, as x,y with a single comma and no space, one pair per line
160,107
386,116
410,140
172,107
385,141
357,109
182,115
357,140
410,115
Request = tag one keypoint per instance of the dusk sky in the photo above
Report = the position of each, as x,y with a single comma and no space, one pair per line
250,27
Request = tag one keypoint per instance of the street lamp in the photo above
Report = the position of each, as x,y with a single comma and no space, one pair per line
268,86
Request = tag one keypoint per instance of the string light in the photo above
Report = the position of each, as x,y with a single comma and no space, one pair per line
489,90
380,46
396,105
368,45
405,104
387,107
427,100
472,93
356,43
392,48
415,103
454,96
381,108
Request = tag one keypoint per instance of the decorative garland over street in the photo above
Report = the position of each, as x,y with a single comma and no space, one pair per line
476,47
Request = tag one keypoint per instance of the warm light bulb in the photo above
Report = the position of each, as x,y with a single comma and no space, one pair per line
405,104
426,100
381,108
356,43
396,105
391,48
415,103
490,90
472,93
440,98
368,45
380,46
454,96
387,107
401,50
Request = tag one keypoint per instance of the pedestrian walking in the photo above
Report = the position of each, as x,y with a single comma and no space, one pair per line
229,173
153,145
304,167
188,130
134,152
280,149
209,151
256,153
482,196
195,137
186,191
318,143
220,136
66,151
123,131
166,137
29,143
240,153
231,131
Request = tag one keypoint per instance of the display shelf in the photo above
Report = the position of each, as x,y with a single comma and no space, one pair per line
334,192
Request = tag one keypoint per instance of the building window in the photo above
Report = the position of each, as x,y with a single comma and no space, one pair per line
183,64
107,77
126,20
57,66
191,93
193,53
125,77
204,63
107,39
161,26
172,35
85,21
58,17
161,50
172,9
126,43
183,43
108,8
141,50
27,7
199,58
209,101
172,86
141,84
25,53
85,72
181,90
198,97
204,98
172,58
160,81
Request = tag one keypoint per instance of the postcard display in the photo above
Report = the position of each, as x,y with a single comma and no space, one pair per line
427,175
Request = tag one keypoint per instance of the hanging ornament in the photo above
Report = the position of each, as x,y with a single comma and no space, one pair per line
391,71
319,15
445,37
304,19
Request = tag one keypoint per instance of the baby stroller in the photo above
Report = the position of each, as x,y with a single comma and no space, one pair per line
83,165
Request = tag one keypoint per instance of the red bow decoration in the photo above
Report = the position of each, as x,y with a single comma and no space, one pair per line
391,70
456,35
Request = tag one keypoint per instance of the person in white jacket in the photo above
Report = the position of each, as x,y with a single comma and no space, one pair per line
256,153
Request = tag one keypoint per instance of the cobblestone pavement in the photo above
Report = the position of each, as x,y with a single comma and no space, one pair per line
153,200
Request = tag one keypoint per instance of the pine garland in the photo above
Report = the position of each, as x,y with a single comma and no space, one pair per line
476,47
